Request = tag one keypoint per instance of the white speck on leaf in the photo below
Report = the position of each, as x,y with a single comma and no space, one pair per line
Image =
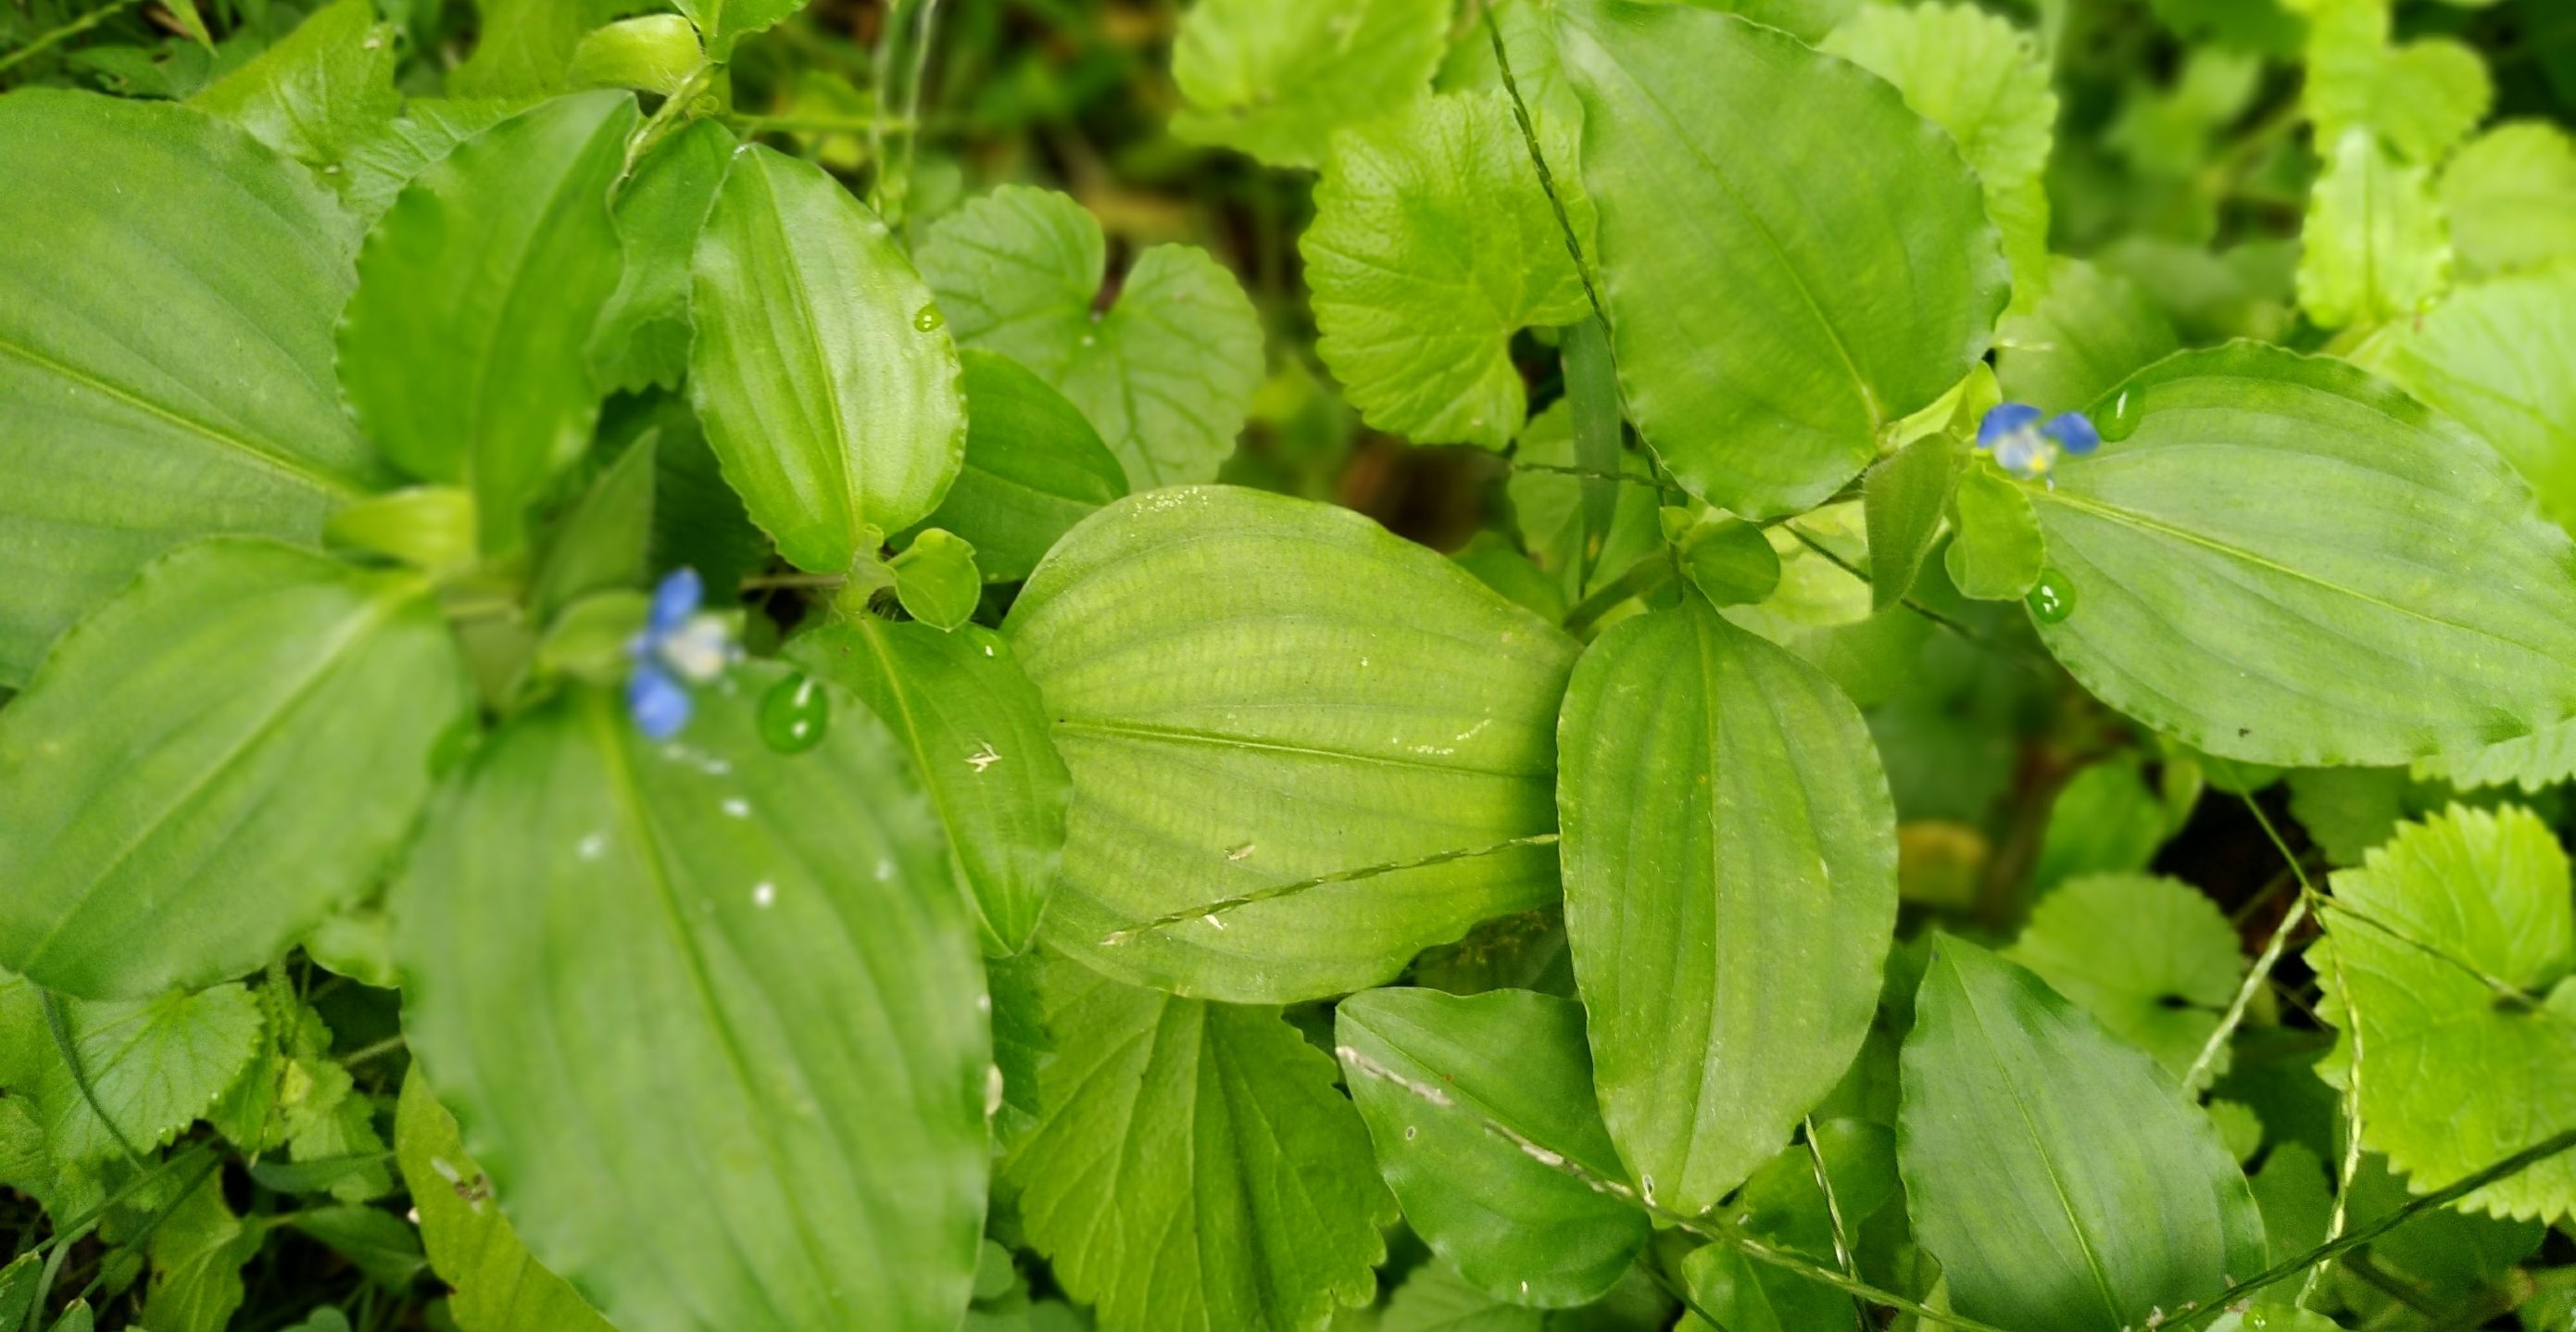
763,893
983,758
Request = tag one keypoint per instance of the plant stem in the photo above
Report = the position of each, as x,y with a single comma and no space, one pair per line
66,32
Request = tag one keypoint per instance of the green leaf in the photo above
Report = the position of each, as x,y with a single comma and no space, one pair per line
376,1242
643,336
1276,80
153,1066
1730,882
213,762
1252,691
1194,1166
1166,374
1434,1298
2420,98
524,48
1770,319
471,1246
601,544
2375,246
1550,507
1984,80
2152,959
2091,330
166,300
2532,762
1996,552
1500,565
1729,560
826,383
936,579
766,949
378,167
655,53
325,88
1426,1069
1903,500
2511,196
1784,1206
1432,244
461,352
2454,1076
2413,561
1034,467
2103,821
2054,1171
198,1250
18,1288
727,21
977,733
76,1318
430,528
2493,358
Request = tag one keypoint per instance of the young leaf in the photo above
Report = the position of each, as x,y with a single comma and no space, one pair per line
213,762
1995,553
2152,959
2091,330
936,579
1903,500
523,48
2511,196
826,382
765,948
376,1242
379,166
1771,314
461,352
1432,244
725,22
977,733
2493,357
152,1065
1425,1069
1253,691
2413,561
1194,1167
166,299
1276,80
2374,247
2428,940
1166,374
643,335
655,53
1730,882
322,90
2420,98
498,1287
2054,1171
1034,467
1729,560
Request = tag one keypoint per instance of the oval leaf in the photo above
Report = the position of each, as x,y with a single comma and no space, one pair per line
1034,467
643,335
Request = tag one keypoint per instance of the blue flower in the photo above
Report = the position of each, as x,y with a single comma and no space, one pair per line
2027,446
681,646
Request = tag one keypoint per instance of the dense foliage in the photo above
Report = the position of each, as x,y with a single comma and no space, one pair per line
1354,664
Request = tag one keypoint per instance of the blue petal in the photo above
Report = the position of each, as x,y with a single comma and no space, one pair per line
659,704
2005,419
674,601
2075,431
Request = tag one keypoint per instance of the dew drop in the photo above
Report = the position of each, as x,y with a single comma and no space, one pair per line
763,893
928,319
794,714
2053,599
2122,420
1411,1131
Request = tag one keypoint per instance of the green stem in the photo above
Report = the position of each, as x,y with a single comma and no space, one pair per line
1538,161
66,32
2254,981
1646,575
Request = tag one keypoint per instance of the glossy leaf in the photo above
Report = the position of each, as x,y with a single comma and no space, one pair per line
2374,247
936,579
1034,467
2055,1172
655,53
1729,560
1730,881
643,334
1514,1226
977,733
2491,358
1167,1118
1995,552
1253,691
1432,245
827,386
2153,960
1275,80
498,1287
1903,501
1840,273
1166,373
2413,561
212,763
319,92
461,353
166,300
765,948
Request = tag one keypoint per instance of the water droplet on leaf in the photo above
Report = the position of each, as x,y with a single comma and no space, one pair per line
2122,419
794,714
929,319
2053,599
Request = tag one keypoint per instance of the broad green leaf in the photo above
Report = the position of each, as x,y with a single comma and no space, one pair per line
601,544
1194,1167
2413,561
936,579
2152,959
1984,80
2454,1076
727,21
498,1287
198,1248
461,352
1252,691
1427,1069
977,733
524,48
2103,821
2494,358
2375,246
2532,762
643,335
1034,467
155,1065
2420,98
828,387
1434,1298
2451,1256
1276,80
1432,244
2091,330
1729,560
767,950
2056,1173
655,53
379,166
1166,374
698,520
213,762
1995,552
1730,881
1903,500
325,88
2511,196
166,300
1771,315
1529,39
1549,506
